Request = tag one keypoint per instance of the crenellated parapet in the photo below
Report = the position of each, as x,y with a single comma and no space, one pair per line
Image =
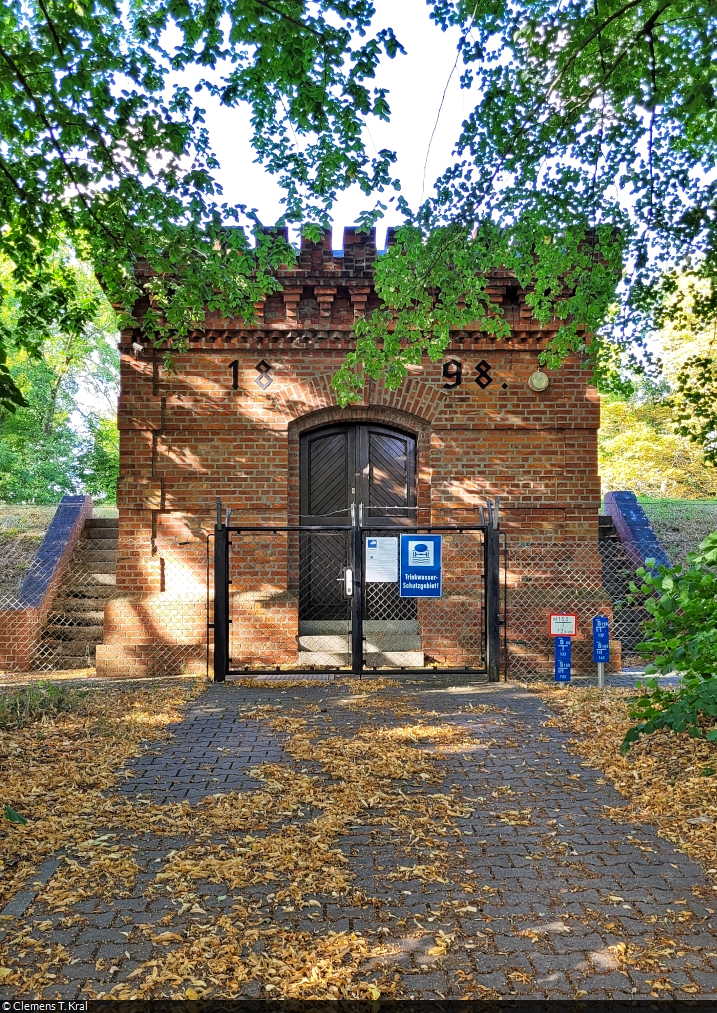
328,289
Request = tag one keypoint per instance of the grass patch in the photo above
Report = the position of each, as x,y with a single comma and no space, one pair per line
681,524
38,702
22,528
24,520
17,552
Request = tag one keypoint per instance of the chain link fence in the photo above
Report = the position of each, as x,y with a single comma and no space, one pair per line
587,579
289,604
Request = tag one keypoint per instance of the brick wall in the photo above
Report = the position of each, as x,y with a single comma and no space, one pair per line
187,437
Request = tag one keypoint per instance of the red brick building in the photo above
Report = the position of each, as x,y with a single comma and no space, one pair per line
244,401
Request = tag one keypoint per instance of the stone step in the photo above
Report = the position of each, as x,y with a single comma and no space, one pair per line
88,558
326,644
62,663
101,533
96,544
373,642
79,606
94,566
326,627
58,632
324,659
81,580
394,659
90,591
69,649
75,618
102,522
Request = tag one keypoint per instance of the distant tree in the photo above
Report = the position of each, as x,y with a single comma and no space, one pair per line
639,449
48,447
98,464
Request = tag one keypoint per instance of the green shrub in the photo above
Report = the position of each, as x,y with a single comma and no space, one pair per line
680,637
33,703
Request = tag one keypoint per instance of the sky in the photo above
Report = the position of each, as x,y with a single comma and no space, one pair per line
416,84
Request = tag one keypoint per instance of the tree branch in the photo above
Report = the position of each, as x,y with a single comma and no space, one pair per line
58,148
51,26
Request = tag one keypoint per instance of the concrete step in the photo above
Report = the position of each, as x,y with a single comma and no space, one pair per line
95,533
342,659
66,649
62,663
326,644
391,642
89,591
394,659
324,659
373,642
102,522
79,606
88,558
325,627
58,632
95,566
97,544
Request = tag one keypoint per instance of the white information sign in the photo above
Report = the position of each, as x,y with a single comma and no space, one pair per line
563,625
381,560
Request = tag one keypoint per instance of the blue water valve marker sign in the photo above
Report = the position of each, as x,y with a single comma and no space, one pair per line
421,566
601,639
563,657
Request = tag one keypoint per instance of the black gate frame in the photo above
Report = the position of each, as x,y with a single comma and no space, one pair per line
494,595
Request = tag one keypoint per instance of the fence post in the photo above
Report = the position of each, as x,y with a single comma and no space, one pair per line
357,599
221,600
492,602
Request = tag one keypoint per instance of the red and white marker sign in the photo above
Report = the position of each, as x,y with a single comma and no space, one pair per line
562,625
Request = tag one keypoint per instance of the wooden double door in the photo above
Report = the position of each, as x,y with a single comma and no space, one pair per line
352,470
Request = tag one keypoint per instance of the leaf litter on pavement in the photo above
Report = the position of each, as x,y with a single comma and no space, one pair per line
670,782
388,776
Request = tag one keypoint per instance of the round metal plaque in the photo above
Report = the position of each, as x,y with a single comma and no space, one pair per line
538,380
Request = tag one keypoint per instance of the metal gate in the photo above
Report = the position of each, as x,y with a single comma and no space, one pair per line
312,598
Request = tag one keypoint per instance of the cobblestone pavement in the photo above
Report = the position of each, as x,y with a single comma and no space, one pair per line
544,894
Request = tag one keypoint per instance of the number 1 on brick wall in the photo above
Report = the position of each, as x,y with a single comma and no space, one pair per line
234,366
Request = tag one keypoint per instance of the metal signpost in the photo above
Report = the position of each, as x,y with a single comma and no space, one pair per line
421,566
601,646
563,627
563,657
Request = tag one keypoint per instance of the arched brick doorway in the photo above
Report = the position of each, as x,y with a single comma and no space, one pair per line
361,469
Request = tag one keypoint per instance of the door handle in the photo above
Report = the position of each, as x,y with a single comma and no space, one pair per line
348,581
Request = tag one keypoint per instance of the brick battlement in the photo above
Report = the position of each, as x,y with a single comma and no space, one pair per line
324,293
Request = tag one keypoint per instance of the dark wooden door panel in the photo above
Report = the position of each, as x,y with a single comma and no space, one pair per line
327,470
362,464
389,468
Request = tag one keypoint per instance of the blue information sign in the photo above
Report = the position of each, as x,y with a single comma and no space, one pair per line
421,575
563,655
601,639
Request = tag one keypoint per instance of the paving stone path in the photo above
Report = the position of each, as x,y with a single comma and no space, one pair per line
538,906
